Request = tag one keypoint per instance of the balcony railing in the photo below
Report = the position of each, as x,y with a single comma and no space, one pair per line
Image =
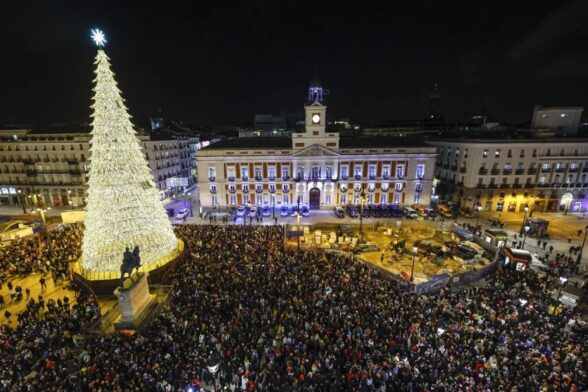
285,178
272,190
258,190
386,176
520,171
211,178
344,177
532,170
272,178
244,178
573,169
231,178
245,190
546,170
481,186
494,172
543,185
232,190
560,170
372,176
504,186
492,186
358,176
462,169
258,178
507,171
483,171
529,185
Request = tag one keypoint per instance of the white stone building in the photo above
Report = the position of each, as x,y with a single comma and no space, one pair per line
508,175
52,168
319,167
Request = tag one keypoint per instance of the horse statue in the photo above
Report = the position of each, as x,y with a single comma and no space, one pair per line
131,261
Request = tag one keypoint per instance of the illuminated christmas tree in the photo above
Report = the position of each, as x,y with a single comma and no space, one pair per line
123,206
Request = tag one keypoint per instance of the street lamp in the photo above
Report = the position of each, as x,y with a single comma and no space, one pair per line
527,228
274,207
414,253
69,198
212,365
526,209
361,201
42,212
579,260
562,282
190,202
22,201
478,208
298,222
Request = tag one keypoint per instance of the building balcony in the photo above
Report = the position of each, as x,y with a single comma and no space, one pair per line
519,171
400,177
244,178
75,172
454,167
462,169
560,170
271,178
258,190
460,183
482,171
529,185
232,190
258,178
213,191
507,171
272,190
531,170
211,178
372,176
495,171
543,185
480,186
285,178
548,170
31,173
231,178
492,186
504,186
573,170
344,177
386,176
245,190
358,177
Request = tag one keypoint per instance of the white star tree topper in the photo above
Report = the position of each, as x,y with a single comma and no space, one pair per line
98,37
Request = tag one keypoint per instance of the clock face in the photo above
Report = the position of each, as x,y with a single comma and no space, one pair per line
316,118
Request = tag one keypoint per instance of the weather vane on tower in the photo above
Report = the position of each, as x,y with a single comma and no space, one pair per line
98,37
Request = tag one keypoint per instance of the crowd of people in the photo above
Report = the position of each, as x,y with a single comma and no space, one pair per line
247,314
49,252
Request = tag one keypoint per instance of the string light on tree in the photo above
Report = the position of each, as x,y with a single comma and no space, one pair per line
123,205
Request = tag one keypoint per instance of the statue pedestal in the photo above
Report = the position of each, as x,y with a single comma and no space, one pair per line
133,301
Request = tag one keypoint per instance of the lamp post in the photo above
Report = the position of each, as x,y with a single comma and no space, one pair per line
526,209
69,199
212,365
42,213
298,222
21,200
579,260
527,228
274,207
190,202
361,201
414,253
478,209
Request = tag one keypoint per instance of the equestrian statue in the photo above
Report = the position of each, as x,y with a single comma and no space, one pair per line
131,261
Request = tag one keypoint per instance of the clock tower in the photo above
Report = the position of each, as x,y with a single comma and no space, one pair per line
315,122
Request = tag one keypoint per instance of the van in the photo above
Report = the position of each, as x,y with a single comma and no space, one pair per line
445,211
410,212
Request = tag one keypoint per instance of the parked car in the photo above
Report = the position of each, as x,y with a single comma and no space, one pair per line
241,211
351,211
253,210
304,211
431,213
421,210
181,214
395,211
266,211
284,210
466,212
293,210
364,211
339,212
410,213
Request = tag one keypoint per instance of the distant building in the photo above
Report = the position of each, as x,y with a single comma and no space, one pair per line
562,120
42,168
508,175
317,167
269,123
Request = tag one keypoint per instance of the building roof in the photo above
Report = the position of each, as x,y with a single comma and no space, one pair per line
252,143
379,141
512,141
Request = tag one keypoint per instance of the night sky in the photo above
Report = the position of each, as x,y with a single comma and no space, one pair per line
217,65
